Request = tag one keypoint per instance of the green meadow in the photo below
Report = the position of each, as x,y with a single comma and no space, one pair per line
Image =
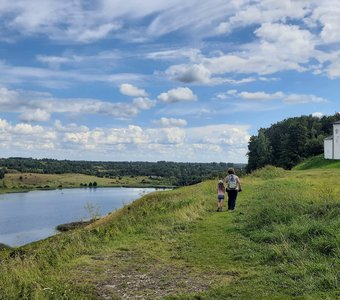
14,182
281,242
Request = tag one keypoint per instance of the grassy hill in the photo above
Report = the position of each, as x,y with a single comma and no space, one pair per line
318,162
282,242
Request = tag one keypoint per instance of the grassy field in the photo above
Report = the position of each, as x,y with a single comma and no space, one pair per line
282,242
27,181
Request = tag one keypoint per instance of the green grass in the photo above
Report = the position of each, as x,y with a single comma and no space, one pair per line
318,162
14,182
282,242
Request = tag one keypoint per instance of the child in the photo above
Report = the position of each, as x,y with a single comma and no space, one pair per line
220,194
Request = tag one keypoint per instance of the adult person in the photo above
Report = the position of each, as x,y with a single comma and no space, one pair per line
233,187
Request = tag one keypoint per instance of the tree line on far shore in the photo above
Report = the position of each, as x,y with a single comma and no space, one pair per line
287,143
178,174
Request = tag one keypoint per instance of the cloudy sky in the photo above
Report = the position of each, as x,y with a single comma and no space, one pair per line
159,79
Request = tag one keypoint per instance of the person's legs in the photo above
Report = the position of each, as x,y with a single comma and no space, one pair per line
233,196
229,199
218,203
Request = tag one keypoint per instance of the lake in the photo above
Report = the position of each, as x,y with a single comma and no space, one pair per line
32,216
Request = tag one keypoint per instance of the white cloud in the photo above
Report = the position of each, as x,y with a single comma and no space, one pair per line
37,115
263,96
205,143
22,137
327,14
181,94
38,106
74,21
195,73
170,122
87,35
175,54
61,78
300,98
278,47
318,115
131,90
260,96
56,61
100,59
143,103
266,11
59,127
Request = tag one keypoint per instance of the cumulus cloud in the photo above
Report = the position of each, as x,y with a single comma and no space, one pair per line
143,103
205,143
131,90
181,94
278,47
327,13
257,12
22,137
37,115
318,114
170,122
195,73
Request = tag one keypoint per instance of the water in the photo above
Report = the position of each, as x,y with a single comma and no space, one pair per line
32,216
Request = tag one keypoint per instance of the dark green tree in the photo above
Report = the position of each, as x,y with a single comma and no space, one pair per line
260,151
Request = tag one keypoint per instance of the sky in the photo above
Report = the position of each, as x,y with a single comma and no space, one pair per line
185,81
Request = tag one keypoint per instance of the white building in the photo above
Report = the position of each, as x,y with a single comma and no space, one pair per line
332,143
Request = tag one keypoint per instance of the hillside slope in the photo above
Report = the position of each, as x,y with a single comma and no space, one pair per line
282,242
318,162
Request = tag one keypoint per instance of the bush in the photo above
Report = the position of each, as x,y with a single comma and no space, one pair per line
268,172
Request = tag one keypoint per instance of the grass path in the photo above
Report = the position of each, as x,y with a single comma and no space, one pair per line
189,263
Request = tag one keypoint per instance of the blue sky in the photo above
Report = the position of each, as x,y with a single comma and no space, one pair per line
161,80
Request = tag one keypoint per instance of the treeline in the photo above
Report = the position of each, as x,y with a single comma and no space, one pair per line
287,143
179,174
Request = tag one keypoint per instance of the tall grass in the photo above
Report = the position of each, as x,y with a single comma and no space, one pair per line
298,231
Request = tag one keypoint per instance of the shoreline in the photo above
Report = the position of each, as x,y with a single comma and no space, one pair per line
13,191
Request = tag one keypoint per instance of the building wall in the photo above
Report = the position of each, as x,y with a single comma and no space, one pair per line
328,149
336,141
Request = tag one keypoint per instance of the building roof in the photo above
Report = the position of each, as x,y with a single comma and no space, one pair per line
328,138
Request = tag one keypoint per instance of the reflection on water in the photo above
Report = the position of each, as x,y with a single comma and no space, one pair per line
28,217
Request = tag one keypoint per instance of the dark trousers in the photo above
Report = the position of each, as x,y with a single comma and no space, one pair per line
232,195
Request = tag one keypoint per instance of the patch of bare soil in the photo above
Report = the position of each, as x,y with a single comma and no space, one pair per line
127,275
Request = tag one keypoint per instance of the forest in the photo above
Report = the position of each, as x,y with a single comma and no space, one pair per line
287,143
180,174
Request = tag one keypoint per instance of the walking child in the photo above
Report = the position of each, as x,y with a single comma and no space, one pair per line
220,195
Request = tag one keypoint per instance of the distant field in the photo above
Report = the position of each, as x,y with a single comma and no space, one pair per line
27,181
